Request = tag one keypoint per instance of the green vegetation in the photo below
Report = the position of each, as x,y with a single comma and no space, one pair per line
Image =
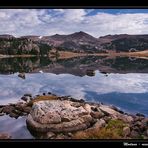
20,46
113,130
125,44
44,49
42,98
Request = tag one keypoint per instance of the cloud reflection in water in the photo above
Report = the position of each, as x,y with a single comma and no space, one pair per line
115,89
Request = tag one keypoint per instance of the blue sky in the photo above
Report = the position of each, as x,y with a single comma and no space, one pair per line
119,11
97,22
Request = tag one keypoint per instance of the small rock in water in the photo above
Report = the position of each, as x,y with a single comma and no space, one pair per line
81,100
21,75
28,95
44,94
8,109
49,93
5,136
24,98
13,115
1,114
41,71
139,114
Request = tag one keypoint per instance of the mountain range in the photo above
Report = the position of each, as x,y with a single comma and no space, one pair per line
80,42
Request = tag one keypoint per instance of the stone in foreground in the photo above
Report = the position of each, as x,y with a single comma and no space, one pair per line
58,116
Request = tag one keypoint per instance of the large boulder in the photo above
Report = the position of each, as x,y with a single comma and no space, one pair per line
58,116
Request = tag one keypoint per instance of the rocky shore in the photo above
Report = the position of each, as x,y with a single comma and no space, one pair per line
61,117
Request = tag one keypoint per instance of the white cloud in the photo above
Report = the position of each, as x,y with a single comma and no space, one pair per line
65,21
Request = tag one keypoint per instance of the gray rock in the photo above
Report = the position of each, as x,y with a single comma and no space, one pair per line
116,109
50,135
138,123
1,114
126,131
13,115
125,118
145,121
134,134
99,124
21,75
97,115
139,114
70,134
87,107
108,111
138,118
26,98
61,136
8,109
136,128
58,116
27,109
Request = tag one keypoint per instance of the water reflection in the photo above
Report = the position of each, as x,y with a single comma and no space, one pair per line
16,128
77,66
128,91
122,82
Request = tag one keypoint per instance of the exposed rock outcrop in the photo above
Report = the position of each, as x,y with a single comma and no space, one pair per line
58,116
54,117
67,115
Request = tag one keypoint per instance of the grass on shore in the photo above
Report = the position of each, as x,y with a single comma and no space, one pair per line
113,130
42,98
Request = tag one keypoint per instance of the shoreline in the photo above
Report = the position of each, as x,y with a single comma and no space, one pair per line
75,119
67,55
16,56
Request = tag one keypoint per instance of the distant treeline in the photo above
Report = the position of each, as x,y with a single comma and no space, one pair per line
19,46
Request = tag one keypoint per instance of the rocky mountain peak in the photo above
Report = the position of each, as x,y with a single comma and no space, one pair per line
6,36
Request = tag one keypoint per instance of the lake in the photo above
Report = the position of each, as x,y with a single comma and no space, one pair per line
118,81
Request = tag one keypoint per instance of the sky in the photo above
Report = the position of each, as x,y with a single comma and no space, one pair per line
96,22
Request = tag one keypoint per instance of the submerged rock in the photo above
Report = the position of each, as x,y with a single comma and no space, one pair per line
58,116
5,136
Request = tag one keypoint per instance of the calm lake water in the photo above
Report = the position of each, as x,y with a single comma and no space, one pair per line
122,82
